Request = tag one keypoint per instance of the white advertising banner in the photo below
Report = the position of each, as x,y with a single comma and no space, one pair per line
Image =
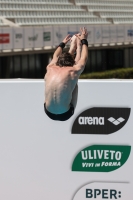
7,38
73,29
18,38
120,33
48,36
89,156
131,33
57,35
1,39
128,33
29,37
98,35
38,37
63,32
113,33
105,34
90,34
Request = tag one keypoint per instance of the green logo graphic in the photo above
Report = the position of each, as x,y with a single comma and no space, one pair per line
101,158
47,36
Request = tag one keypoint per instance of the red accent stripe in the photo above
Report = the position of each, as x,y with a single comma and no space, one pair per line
4,34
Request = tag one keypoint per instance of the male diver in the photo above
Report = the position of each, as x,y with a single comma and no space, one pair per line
62,75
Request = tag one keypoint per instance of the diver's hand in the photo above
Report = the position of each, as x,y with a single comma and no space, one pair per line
83,34
67,39
78,40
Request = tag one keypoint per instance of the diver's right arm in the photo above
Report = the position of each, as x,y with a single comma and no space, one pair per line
79,67
59,49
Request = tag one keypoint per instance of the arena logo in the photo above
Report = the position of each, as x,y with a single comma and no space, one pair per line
91,120
100,120
101,158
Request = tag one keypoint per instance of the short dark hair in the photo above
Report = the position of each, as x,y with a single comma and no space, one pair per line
65,59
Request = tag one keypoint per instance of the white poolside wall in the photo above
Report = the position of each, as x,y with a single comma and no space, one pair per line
36,153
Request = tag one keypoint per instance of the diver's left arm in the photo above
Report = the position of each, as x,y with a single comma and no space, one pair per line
78,50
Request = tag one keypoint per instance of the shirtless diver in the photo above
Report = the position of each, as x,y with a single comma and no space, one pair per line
62,75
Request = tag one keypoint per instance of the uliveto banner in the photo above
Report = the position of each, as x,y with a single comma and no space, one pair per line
101,158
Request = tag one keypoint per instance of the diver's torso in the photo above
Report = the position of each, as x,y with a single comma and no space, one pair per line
59,85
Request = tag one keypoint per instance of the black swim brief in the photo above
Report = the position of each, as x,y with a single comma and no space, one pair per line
60,117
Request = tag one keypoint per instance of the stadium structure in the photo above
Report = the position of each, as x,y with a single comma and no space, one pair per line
30,30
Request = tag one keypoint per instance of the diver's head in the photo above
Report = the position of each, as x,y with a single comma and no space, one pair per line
65,60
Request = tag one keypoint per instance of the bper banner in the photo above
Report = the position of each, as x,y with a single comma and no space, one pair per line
41,158
99,190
